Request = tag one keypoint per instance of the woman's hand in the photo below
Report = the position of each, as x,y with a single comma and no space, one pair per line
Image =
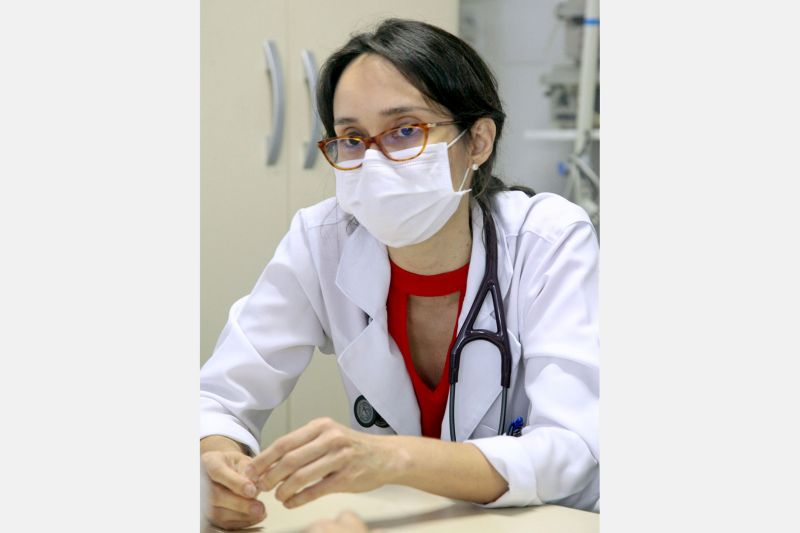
230,499
320,458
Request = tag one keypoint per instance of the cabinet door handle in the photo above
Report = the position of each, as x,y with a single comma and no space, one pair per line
310,146
278,101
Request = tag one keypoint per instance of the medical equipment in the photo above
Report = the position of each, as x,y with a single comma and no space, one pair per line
467,334
400,204
586,195
574,92
366,415
563,80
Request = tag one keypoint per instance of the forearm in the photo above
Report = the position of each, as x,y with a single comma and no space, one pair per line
451,469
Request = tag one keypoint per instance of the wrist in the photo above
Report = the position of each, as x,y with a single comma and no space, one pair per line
221,443
397,459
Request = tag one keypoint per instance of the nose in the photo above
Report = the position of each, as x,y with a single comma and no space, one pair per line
373,146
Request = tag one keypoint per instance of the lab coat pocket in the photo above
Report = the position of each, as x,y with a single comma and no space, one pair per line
483,431
479,392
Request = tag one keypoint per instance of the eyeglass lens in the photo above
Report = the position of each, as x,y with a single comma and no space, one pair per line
398,144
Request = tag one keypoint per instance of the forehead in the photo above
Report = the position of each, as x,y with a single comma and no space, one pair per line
371,84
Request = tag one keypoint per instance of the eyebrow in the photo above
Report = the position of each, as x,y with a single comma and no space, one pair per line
399,110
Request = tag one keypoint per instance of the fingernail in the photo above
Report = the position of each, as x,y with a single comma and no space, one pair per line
249,491
249,471
255,509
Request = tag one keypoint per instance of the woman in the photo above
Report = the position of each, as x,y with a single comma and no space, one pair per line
384,276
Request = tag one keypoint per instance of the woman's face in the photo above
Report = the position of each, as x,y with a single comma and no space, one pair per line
372,96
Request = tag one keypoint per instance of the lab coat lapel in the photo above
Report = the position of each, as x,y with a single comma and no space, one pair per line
372,360
479,375
363,273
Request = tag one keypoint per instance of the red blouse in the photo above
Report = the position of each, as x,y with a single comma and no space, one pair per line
432,402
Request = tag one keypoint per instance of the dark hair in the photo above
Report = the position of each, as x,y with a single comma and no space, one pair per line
445,69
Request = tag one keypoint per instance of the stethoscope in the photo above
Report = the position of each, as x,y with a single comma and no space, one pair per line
467,333
367,416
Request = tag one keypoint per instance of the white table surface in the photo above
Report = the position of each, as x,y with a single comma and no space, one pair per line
396,508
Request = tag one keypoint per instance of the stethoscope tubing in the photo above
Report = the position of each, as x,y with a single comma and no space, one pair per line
467,333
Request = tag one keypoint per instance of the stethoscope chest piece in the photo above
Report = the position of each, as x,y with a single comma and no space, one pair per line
366,415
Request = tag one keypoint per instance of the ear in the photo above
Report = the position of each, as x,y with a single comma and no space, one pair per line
482,135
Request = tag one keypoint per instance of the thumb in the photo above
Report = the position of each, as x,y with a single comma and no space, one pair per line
240,463
225,472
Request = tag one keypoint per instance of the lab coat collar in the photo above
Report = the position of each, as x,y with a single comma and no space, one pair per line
375,365
363,274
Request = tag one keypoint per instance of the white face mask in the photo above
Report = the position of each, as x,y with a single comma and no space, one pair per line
401,203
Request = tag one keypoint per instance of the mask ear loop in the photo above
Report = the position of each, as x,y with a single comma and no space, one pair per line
451,143
474,167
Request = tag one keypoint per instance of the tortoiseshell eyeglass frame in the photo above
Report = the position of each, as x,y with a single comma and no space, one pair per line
369,141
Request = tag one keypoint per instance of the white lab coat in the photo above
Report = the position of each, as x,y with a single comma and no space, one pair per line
326,286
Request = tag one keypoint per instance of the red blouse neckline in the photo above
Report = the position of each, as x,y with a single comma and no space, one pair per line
428,285
432,401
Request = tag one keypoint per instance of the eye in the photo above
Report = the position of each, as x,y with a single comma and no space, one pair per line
402,136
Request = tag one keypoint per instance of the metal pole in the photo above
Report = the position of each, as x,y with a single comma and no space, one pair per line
586,100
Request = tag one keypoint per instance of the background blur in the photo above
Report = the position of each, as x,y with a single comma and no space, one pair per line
258,62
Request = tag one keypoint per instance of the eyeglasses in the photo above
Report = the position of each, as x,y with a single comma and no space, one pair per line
398,144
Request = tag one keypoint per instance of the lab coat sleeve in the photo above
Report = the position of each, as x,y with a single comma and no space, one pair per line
556,460
267,342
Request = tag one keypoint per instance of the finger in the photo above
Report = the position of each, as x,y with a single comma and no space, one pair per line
241,463
328,485
297,459
222,497
221,472
228,519
284,445
306,475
